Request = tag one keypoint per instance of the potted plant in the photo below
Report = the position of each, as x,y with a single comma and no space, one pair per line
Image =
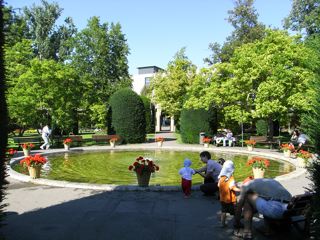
259,165
26,147
287,149
250,144
67,143
9,154
34,164
113,141
159,140
206,141
303,157
143,168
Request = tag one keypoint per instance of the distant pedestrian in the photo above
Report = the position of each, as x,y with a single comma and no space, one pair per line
45,133
186,177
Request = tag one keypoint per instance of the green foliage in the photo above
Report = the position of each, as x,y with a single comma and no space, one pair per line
3,119
128,116
194,121
170,88
262,127
150,114
265,79
247,29
304,15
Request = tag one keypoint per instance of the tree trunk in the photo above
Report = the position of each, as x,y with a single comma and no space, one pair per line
270,129
3,118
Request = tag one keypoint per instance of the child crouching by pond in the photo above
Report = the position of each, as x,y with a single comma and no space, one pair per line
227,189
186,177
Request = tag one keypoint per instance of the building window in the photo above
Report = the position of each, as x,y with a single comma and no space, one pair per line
147,81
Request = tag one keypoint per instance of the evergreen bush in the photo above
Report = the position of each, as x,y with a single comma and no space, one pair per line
128,116
150,114
194,121
262,127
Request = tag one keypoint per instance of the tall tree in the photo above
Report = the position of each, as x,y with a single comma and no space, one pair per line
304,16
3,114
41,21
265,79
247,28
100,58
170,88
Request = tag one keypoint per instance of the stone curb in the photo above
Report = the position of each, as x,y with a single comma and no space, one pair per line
111,187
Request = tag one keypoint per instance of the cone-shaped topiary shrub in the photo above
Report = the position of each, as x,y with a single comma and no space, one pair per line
128,116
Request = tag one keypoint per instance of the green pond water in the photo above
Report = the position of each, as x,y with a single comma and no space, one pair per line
111,167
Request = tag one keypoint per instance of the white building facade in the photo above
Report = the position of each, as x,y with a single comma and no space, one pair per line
142,80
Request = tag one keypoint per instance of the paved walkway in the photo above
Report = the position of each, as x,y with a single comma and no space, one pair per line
46,212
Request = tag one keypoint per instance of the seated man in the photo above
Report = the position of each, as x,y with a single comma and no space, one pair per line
265,196
212,171
298,139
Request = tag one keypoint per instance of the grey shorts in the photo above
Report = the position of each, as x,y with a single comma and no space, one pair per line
271,209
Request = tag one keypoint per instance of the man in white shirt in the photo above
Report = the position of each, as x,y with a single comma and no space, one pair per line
211,173
45,133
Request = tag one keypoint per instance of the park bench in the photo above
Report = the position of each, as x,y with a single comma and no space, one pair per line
103,137
264,140
298,211
75,139
21,140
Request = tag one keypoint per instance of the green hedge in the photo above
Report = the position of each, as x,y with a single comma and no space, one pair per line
194,121
128,116
262,127
150,114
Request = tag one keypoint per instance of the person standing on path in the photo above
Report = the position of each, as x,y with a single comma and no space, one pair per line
186,177
45,133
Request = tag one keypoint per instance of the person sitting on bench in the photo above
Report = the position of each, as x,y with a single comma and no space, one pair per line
298,139
265,196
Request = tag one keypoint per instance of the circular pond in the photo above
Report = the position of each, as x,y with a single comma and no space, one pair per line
111,167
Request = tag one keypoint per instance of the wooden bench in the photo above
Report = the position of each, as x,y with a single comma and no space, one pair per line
298,211
22,140
264,140
103,137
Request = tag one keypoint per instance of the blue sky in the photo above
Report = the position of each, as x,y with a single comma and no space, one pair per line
156,30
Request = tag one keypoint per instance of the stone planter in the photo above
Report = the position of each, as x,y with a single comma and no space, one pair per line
143,179
250,148
26,152
206,145
112,144
160,143
302,163
66,146
258,172
287,153
34,172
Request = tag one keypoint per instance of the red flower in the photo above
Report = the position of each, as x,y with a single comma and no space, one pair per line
27,145
32,161
130,168
139,158
159,139
67,141
258,162
143,165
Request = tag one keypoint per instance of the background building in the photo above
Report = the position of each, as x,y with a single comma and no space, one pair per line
141,81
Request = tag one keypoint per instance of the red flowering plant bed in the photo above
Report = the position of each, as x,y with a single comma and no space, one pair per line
206,140
33,161
286,147
304,154
27,146
142,165
159,139
250,142
67,141
114,139
9,154
258,162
